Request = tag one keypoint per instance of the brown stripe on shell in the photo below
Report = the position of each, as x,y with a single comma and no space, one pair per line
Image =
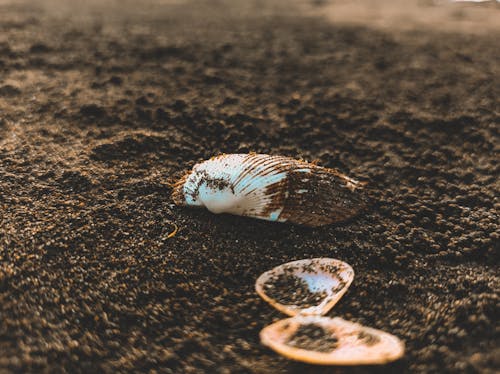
329,197
278,193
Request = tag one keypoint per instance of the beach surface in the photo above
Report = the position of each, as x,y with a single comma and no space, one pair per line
104,104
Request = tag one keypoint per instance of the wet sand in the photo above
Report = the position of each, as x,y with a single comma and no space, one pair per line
103,105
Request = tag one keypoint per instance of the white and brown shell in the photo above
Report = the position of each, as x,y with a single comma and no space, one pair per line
306,287
273,188
331,341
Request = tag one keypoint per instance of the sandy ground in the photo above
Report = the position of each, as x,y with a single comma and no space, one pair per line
104,104
394,16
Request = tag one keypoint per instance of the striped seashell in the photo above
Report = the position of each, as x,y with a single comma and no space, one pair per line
273,188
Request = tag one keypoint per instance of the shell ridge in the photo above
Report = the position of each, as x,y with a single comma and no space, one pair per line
256,172
261,182
247,167
261,199
267,196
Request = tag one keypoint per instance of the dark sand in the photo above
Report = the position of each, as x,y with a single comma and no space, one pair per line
102,106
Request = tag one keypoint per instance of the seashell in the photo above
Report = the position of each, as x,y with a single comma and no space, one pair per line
306,286
273,188
331,341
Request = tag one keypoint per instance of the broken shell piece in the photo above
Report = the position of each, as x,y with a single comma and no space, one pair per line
306,286
273,188
331,341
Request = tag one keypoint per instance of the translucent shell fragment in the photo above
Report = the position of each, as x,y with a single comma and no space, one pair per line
305,287
331,341
273,188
